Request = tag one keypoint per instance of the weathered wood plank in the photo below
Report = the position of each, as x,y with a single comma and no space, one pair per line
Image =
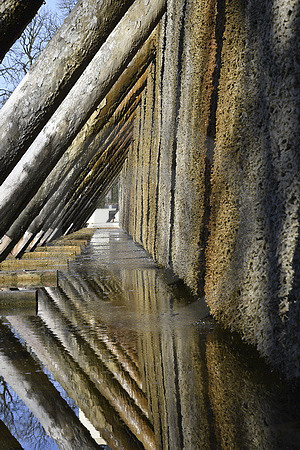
66,249
28,264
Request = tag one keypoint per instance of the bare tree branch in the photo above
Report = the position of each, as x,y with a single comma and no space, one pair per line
66,6
24,52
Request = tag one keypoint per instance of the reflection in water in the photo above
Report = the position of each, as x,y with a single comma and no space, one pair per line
143,363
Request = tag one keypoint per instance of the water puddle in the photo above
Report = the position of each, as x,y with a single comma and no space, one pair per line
120,356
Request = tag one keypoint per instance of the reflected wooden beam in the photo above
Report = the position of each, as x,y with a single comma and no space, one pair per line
18,302
25,377
100,348
74,381
97,372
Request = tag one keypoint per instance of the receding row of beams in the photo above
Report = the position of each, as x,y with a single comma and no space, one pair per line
65,195
107,389
87,145
74,147
84,152
55,72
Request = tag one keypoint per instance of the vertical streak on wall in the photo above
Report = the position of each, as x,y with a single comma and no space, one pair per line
134,168
179,94
160,65
139,174
198,63
147,151
143,166
171,81
224,213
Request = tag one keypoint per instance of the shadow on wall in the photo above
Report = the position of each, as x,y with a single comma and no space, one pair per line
253,270
272,161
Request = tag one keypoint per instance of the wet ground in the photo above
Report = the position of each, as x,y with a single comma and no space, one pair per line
121,355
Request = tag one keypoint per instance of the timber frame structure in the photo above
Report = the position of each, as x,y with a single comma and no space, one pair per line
195,105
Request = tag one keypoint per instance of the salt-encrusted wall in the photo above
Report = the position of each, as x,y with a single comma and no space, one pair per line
164,186
252,280
211,187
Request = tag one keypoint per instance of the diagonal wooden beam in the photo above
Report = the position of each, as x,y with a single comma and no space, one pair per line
15,15
53,75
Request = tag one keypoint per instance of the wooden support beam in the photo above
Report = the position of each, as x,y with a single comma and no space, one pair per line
74,381
32,264
81,196
26,378
113,57
85,145
48,254
53,75
15,15
74,242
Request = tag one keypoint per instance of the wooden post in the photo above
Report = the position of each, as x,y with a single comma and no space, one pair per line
15,16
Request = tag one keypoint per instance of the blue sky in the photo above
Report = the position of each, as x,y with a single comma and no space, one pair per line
51,4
